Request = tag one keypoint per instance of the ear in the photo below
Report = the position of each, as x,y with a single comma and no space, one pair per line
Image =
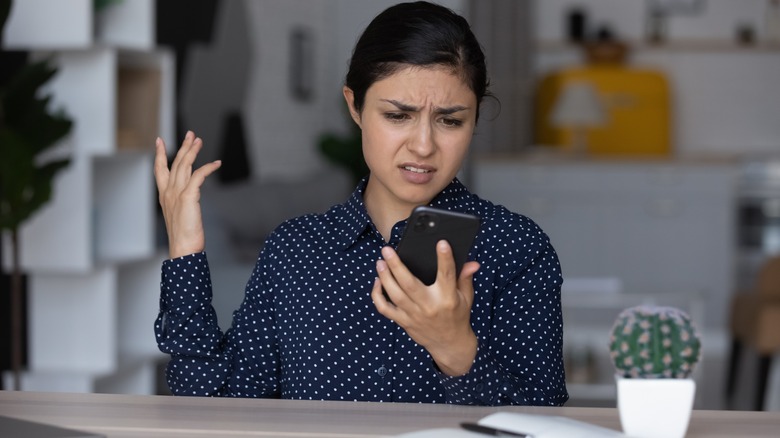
349,97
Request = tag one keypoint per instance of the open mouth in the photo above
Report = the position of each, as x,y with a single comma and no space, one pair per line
416,169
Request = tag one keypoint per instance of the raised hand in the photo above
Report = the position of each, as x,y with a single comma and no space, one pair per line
179,195
436,316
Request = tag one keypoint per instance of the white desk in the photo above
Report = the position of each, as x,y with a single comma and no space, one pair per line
124,416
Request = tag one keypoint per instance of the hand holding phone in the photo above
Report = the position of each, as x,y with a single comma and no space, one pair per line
437,318
426,227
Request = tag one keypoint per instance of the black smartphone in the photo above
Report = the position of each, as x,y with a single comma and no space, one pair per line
424,228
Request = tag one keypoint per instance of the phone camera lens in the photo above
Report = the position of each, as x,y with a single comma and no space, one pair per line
422,223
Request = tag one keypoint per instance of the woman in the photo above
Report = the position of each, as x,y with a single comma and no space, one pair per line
314,323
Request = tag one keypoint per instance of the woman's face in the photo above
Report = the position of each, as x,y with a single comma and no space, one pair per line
416,127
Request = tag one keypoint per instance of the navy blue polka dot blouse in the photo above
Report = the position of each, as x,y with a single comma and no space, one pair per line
307,328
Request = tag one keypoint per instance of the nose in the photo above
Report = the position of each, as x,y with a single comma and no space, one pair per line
422,142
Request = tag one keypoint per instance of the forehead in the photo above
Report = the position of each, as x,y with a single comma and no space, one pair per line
440,84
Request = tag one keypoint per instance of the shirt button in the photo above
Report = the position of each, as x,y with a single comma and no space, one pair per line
382,371
479,387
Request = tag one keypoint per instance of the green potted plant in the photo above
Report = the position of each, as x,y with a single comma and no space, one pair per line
654,350
27,130
346,151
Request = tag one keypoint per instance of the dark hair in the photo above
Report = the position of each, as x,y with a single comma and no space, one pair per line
421,34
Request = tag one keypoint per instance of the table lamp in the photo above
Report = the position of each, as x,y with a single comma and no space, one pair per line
578,109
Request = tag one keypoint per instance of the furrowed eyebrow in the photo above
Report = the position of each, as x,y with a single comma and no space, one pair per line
406,107
401,106
451,109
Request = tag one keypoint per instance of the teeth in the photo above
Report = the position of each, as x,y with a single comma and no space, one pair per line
416,170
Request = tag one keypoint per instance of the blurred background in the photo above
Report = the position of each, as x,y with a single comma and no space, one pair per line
642,135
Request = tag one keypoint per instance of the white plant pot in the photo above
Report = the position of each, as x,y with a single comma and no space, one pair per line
655,408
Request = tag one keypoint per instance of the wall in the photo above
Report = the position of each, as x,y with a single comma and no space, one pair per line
726,97
248,66
725,100
717,21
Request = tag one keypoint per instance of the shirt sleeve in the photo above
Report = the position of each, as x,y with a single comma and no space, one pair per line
521,361
205,362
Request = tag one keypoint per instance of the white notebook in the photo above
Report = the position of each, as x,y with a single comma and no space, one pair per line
535,426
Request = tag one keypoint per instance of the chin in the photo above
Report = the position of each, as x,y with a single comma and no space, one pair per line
422,197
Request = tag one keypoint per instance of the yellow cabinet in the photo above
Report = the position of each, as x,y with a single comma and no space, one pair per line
636,104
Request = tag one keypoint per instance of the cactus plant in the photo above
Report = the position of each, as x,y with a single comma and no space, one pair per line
654,342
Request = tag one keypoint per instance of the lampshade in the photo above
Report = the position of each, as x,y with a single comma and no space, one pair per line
578,105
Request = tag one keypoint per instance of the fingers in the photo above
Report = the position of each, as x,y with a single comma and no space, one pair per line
161,172
408,294
181,170
180,174
445,264
397,267
183,149
396,277
468,271
383,306
388,285
199,176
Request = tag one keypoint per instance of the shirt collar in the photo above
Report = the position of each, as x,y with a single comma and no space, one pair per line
354,220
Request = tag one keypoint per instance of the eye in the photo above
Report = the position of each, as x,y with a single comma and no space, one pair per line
396,117
451,122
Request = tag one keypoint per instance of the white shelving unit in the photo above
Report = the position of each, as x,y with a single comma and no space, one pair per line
90,252
46,24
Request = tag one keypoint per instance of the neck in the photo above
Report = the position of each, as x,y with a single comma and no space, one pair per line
384,213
